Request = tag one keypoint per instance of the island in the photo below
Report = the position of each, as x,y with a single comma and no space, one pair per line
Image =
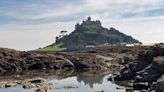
91,47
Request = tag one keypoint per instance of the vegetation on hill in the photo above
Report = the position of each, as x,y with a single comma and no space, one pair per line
91,33
53,47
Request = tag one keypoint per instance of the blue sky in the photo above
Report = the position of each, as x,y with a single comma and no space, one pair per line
29,24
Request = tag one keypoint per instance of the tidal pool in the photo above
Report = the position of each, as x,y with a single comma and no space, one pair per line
69,81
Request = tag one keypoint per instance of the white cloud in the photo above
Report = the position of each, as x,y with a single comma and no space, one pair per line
110,12
26,37
41,11
147,30
48,26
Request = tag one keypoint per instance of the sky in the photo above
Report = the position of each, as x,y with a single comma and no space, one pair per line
31,24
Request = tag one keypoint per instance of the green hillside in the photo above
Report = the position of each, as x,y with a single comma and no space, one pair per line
91,33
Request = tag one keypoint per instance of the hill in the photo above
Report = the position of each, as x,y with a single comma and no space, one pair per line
91,33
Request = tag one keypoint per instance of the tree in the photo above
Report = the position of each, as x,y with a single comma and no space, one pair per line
63,33
57,38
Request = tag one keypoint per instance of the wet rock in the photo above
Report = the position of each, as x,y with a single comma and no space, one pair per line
2,84
37,65
32,83
153,71
67,65
140,85
44,87
36,80
160,84
10,84
28,85
79,65
7,84
38,83
124,74
49,65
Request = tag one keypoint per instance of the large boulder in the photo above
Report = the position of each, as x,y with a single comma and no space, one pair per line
158,49
153,71
158,64
160,84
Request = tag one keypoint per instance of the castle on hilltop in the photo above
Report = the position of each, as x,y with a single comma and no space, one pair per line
90,33
89,23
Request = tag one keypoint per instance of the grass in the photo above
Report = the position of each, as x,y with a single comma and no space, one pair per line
55,47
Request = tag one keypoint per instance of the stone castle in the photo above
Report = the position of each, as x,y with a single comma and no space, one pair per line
89,23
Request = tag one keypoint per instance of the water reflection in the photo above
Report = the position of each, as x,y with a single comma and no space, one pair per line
86,81
70,81
90,78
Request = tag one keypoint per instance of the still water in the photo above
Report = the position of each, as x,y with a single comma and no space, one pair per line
70,81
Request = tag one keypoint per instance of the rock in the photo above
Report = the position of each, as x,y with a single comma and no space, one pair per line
2,70
17,76
148,77
160,84
79,65
158,49
10,84
38,83
37,65
3,84
67,64
140,85
49,65
44,87
124,74
28,85
17,61
36,80
158,64
153,71
153,86
140,64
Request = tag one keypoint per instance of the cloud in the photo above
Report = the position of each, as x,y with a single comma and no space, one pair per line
139,18
48,10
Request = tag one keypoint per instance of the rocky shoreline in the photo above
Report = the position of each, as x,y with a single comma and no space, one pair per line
38,84
141,65
145,71
18,61
43,80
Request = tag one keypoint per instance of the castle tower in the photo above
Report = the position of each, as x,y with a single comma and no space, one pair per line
89,18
